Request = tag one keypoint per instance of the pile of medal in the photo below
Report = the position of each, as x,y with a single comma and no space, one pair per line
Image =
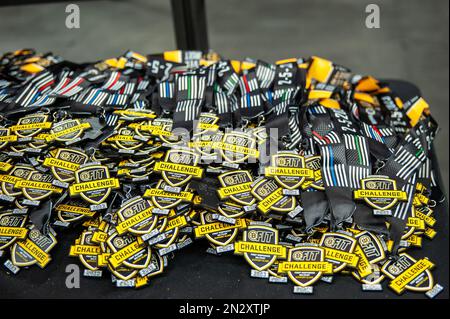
306,170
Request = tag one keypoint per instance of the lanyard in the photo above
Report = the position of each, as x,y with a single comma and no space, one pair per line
98,145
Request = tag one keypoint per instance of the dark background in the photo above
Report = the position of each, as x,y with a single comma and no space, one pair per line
412,44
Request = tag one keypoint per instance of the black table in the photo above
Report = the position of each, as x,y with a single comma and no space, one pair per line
195,274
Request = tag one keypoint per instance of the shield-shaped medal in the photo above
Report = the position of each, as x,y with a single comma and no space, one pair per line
206,143
231,209
237,186
140,211
422,279
123,273
158,264
73,210
125,139
65,163
380,192
33,250
166,199
305,254
237,147
314,163
206,123
12,228
18,172
337,242
67,130
93,183
271,197
164,133
89,261
260,133
31,125
135,114
138,129
371,246
179,167
6,137
38,186
261,235
221,237
289,170
138,257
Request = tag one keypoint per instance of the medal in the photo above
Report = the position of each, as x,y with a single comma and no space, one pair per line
237,147
216,232
136,217
237,185
33,250
140,156
305,265
12,228
260,247
289,170
65,163
87,251
407,273
270,197
128,251
179,167
339,250
93,183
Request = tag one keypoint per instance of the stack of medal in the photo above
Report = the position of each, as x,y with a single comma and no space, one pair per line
96,146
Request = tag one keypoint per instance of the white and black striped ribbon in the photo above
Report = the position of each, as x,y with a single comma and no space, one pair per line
231,83
39,85
112,119
221,101
4,96
211,75
425,171
143,85
248,80
334,171
331,138
71,87
265,74
358,159
295,133
317,109
129,88
44,100
113,83
408,162
116,99
63,80
227,79
192,85
4,84
403,209
190,109
141,105
190,95
249,101
95,97
358,144
166,90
